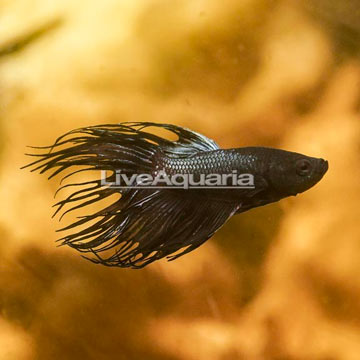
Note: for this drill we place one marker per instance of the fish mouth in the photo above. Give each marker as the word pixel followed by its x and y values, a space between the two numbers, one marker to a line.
pixel 323 166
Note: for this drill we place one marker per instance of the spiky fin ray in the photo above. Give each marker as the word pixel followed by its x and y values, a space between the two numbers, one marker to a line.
pixel 147 231
pixel 144 225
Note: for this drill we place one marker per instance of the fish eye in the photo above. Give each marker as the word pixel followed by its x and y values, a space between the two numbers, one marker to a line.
pixel 303 167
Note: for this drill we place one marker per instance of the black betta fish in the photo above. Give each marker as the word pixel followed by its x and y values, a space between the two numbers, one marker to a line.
pixel 150 222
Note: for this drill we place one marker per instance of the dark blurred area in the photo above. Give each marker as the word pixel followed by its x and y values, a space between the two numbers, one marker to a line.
pixel 275 283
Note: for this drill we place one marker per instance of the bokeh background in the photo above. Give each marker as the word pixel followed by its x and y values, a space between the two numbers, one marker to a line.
pixel 280 282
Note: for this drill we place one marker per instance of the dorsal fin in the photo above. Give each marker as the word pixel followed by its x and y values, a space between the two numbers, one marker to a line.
pixel 189 142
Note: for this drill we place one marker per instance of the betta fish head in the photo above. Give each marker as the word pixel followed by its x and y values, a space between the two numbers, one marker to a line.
pixel 291 173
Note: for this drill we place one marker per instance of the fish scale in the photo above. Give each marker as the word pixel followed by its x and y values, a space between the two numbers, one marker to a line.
pixel 213 162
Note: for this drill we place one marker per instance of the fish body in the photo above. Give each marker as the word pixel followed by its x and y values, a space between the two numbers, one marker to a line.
pixel 149 223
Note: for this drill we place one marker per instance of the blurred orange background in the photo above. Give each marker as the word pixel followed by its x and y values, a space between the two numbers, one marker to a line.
pixel 280 282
